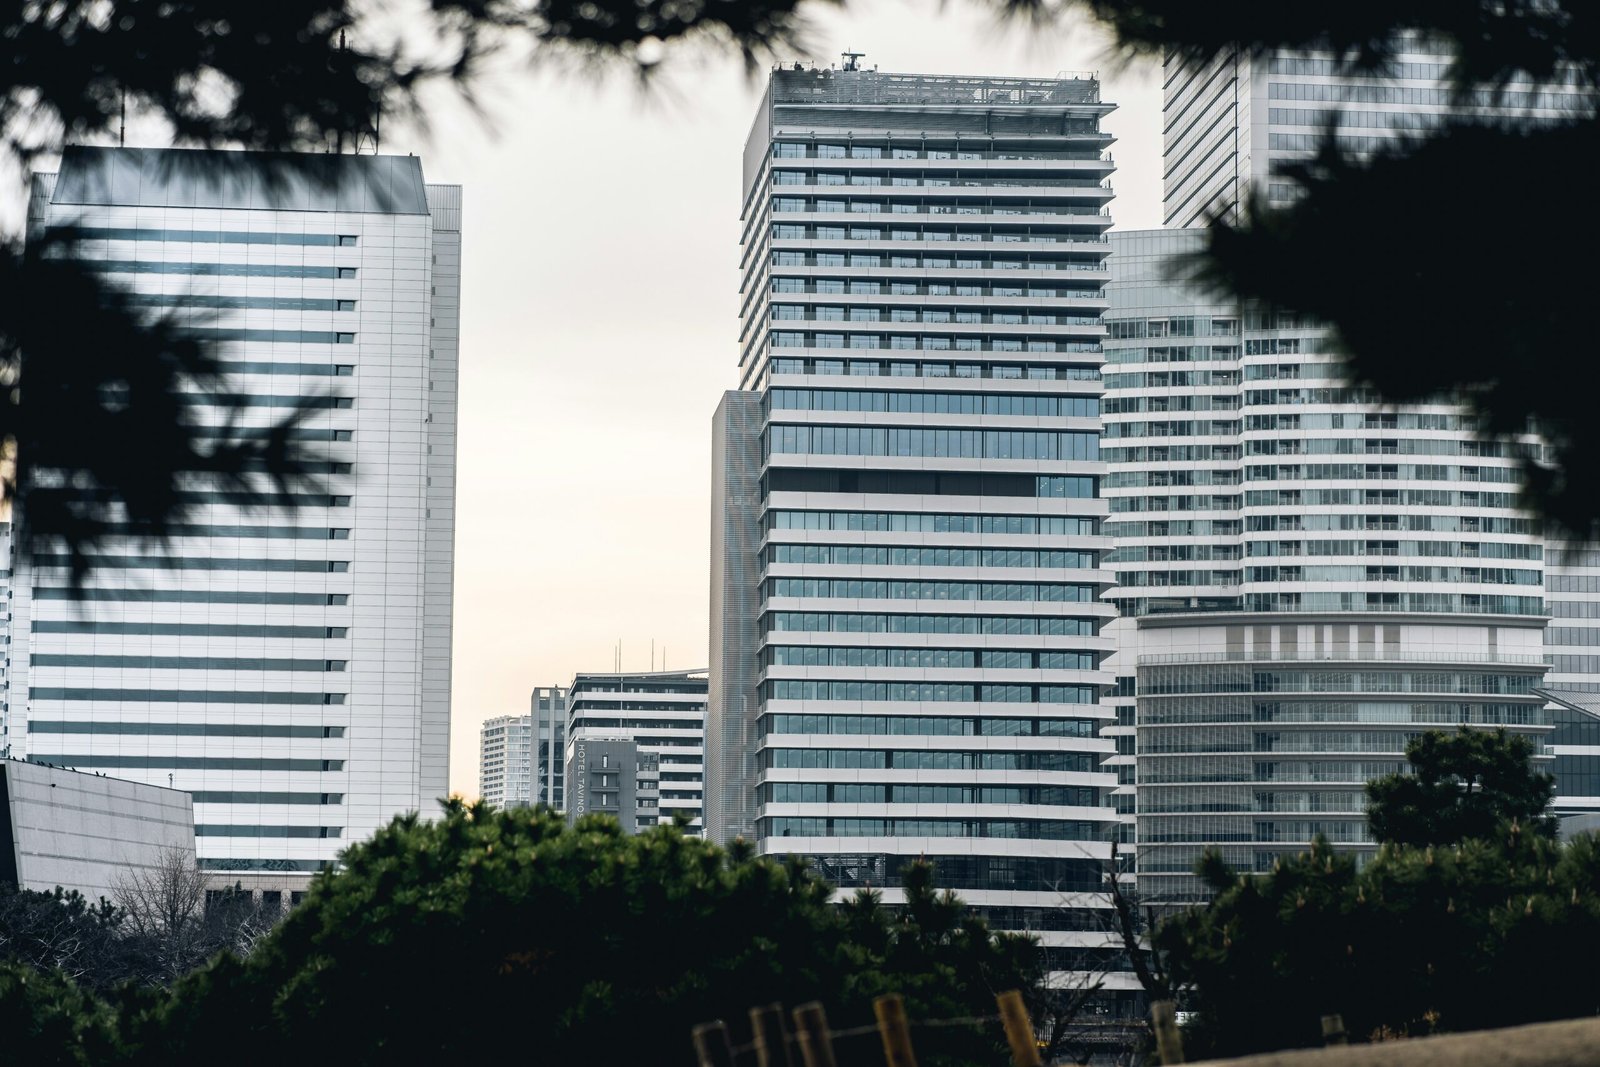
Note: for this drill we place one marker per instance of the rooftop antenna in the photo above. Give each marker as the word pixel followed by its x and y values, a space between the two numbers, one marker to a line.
pixel 852 60
pixel 122 121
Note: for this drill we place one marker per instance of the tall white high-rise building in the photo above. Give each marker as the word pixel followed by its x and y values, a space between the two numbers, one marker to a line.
pixel 289 669
pixel 907 579
pixel 1309 578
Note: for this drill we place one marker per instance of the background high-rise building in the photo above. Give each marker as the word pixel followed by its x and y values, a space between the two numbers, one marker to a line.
pixel 291 670
pixel 505 761
pixel 662 715
pixel 1315 577
pixel 907 574
pixel 1227 124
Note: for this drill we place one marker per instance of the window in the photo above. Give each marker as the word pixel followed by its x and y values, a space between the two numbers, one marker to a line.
pixel 347 272
pixel 344 305
pixel 344 338
pixel 347 240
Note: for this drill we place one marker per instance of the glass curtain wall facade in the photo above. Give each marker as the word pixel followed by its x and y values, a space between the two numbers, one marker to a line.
pixel 923 277
pixel 289 669
pixel 663 714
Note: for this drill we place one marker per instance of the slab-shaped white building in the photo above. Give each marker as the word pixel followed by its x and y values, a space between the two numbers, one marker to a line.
pixel 290 669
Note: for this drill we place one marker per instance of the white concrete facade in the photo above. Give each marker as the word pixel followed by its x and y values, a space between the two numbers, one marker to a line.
pixel 290 669
pixel 86 831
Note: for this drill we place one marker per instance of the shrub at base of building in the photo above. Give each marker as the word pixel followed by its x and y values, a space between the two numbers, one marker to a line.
pixel 439 938
pixel 1482 920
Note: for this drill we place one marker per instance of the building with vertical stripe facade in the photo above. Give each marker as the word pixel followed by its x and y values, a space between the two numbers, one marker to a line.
pixel 289 669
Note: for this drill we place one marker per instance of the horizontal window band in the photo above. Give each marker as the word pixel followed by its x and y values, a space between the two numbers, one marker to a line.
pixel 245 400
pixel 200 563
pixel 183 696
pixel 228 830
pixel 185 629
pixel 184 729
pixel 181 663
pixel 944 591
pixel 254 433
pixel 235 237
pixel 187 763
pixel 298 533
pixel 261 303
pixel 923 556
pixel 927 483
pixel 849 622
pixel 304 370
pixel 229 270
pixel 919 692
pixel 920 658
pixel 231 863
pixel 307 500
pixel 294 337
pixel 1025 829
pixel 224 796
pixel 187 596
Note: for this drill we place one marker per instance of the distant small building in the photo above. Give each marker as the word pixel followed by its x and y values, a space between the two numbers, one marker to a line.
pixel 505 761
pixel 662 714
pixel 81 831
pixel 548 709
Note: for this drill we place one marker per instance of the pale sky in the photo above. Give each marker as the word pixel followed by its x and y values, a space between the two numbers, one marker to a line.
pixel 599 322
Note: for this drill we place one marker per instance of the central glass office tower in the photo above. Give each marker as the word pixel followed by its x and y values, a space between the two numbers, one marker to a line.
pixel 907 546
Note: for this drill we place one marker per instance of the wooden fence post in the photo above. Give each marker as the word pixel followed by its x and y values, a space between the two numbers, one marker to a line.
pixel 895 1030
pixel 816 1040
pixel 1019 1029
pixel 771 1038
pixel 1169 1043
pixel 1333 1030
pixel 711 1044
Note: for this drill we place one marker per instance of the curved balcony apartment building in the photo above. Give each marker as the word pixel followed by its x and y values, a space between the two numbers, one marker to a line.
pixel 1315 578
pixel 1309 578
pixel 907 558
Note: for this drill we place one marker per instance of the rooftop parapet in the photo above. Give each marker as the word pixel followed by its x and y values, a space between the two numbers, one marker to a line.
pixel 871 87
